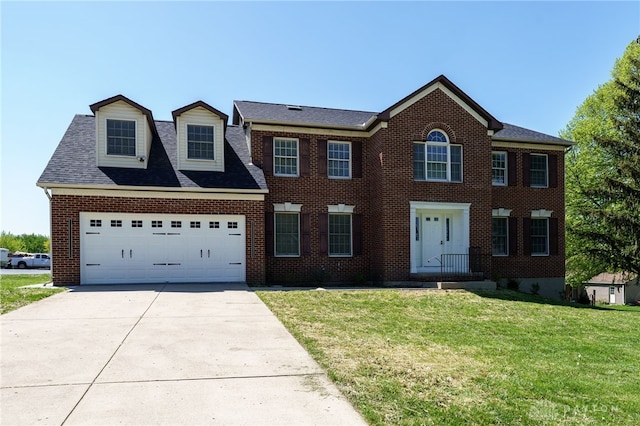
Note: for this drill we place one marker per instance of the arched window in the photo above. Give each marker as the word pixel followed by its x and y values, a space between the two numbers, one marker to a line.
pixel 436 159
pixel 437 136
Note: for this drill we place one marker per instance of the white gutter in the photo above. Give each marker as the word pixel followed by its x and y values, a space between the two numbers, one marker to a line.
pixel 151 189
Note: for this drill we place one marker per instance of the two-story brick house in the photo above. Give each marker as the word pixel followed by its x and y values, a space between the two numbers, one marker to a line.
pixel 432 187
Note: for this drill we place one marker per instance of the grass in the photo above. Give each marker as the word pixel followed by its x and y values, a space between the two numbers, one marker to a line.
pixel 433 357
pixel 12 296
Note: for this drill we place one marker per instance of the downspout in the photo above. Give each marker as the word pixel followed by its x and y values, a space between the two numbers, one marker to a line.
pixel 45 189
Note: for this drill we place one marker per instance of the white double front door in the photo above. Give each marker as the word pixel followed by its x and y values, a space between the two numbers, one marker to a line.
pixel 439 229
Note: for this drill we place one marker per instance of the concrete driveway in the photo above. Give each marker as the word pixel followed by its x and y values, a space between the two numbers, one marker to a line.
pixel 166 354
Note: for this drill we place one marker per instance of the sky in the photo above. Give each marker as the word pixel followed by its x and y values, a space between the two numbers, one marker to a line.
pixel 527 63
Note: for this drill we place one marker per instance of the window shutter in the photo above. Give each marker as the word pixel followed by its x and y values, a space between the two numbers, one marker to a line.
pixel 553 236
pixel 553 170
pixel 323 229
pixel 526 235
pixel 356 223
pixel 526 170
pixel 322 157
pixel 512 171
pixel 267 155
pixel 513 236
pixel 305 168
pixel 356 160
pixel 306 234
pixel 268 233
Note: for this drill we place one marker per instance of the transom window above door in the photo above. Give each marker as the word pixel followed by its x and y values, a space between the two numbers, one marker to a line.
pixel 436 159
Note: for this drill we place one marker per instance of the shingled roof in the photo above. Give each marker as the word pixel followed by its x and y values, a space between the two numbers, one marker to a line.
pixel 74 163
pixel 519 134
pixel 306 116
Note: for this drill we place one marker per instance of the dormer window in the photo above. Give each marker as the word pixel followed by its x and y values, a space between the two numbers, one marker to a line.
pixel 200 132
pixel 200 142
pixel 124 132
pixel 121 137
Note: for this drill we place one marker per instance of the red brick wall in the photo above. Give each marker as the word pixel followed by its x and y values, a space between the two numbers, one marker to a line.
pixel 315 193
pixel 66 268
pixel 436 110
pixel 522 200
pixel 377 207
pixel 387 186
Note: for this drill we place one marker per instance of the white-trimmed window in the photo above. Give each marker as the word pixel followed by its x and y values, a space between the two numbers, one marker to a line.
pixel 436 159
pixel 287 234
pixel 200 143
pixel 539 170
pixel 340 235
pixel 121 137
pixel 499 168
pixel 285 157
pixel 539 236
pixel 339 160
pixel 500 236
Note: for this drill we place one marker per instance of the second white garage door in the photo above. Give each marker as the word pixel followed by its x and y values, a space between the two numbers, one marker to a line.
pixel 133 248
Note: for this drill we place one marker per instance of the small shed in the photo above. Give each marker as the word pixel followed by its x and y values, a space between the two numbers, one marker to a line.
pixel 613 288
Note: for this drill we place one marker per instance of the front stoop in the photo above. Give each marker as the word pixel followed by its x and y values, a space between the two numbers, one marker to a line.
pixel 467 285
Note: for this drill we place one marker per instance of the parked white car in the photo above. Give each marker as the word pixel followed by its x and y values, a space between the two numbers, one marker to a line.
pixel 37 260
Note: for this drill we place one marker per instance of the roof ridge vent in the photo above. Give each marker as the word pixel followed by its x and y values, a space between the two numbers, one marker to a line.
pixel 294 107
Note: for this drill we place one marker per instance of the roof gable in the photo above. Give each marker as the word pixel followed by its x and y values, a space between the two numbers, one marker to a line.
pixel 95 107
pixel 454 92
pixel 200 104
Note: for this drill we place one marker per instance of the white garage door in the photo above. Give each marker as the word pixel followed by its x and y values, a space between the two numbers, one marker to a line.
pixel 156 248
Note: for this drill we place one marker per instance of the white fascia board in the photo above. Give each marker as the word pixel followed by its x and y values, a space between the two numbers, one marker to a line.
pixel 434 205
pixel 550 146
pixel 282 128
pixel 141 192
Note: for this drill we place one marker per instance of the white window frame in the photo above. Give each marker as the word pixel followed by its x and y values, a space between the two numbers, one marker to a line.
pixel 506 220
pixel 448 145
pixel 275 234
pixel 350 216
pixel 546 178
pixel 329 159
pixel 505 170
pixel 135 137
pixel 286 208
pixel 531 236
pixel 297 157
pixel 213 142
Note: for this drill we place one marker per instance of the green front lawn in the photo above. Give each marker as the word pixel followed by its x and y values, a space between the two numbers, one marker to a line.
pixel 12 296
pixel 455 357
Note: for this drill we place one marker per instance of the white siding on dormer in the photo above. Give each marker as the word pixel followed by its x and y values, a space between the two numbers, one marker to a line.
pixel 201 117
pixel 122 111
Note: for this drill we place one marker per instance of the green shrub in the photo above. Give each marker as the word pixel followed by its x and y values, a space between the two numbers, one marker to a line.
pixel 513 284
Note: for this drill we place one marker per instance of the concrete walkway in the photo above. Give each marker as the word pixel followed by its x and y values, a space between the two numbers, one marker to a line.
pixel 166 354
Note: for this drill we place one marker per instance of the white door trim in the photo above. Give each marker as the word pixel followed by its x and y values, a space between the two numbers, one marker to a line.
pixel 414 206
